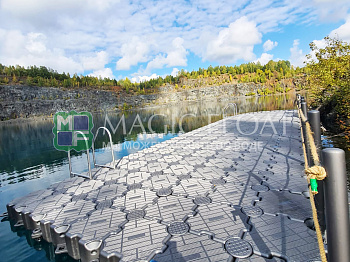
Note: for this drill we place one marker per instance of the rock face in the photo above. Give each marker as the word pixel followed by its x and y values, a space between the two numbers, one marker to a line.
pixel 27 101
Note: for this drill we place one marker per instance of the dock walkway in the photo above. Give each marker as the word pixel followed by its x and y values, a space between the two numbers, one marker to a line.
pixel 233 190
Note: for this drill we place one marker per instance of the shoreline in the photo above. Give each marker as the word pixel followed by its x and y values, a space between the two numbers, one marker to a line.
pixel 116 110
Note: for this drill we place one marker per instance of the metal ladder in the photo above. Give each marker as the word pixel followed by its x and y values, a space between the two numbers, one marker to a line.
pixel 112 166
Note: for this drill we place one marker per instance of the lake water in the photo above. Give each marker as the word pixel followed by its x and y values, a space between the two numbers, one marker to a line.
pixel 29 162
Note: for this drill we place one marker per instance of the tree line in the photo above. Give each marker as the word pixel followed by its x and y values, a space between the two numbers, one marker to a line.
pixel 283 67
pixel 46 77
pixel 43 76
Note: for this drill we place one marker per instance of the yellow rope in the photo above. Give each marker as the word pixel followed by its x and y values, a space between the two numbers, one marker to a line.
pixel 322 173
pixel 316 172
pixel 311 140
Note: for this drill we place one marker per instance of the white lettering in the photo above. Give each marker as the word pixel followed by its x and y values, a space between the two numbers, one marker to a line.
pixel 137 118
pixel 122 120
pixel 76 137
pixel 61 121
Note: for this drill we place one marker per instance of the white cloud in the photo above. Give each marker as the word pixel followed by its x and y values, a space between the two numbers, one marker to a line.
pixel 31 49
pixel 320 43
pixel 134 52
pixel 36 43
pixel 330 10
pixel 79 36
pixel 174 72
pixel 297 57
pixel 139 78
pixel 269 45
pixel 176 56
pixel 234 42
pixel 342 32
pixel 103 73
pixel 95 61
pixel 272 15
pixel 264 59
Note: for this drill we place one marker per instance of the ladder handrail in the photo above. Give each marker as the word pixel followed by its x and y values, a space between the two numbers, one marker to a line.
pixel 235 112
pixel 111 145
pixel 235 109
pixel 88 159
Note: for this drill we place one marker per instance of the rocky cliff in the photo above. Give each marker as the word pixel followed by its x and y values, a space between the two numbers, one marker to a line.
pixel 26 101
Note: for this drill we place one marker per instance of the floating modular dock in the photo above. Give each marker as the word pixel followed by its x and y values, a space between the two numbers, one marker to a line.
pixel 233 190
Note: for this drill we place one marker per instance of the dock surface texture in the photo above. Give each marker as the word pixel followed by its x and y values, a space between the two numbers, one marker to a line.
pixel 233 190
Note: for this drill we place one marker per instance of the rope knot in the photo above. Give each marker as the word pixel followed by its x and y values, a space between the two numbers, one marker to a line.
pixel 316 172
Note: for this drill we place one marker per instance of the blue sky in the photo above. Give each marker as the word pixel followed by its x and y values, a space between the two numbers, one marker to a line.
pixel 144 38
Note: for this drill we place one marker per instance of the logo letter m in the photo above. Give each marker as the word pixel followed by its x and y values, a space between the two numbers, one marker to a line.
pixel 61 121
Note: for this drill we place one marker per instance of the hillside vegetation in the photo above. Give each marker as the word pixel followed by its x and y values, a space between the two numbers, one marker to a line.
pixel 276 77
pixel 329 81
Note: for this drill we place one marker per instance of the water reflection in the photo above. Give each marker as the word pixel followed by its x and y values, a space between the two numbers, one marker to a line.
pixel 48 248
pixel 27 152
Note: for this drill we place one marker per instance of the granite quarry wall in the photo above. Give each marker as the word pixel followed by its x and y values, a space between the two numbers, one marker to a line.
pixel 28 101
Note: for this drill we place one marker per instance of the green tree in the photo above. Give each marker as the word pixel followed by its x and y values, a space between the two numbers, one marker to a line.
pixel 263 78
pixel 29 81
pixel 205 73
pixel 66 83
pixel 231 70
pixel 271 65
pixel 329 78
pixel 53 82
pixel 41 81
pixel 223 69
pixel 330 71
pixel 14 78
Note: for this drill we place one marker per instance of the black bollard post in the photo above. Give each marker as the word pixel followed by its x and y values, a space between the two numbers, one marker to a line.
pixel 315 123
pixel 337 209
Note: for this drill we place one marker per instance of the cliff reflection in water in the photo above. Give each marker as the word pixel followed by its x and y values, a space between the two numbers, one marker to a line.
pixel 27 152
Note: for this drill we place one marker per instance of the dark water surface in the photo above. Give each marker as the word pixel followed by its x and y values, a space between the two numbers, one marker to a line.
pixel 29 162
